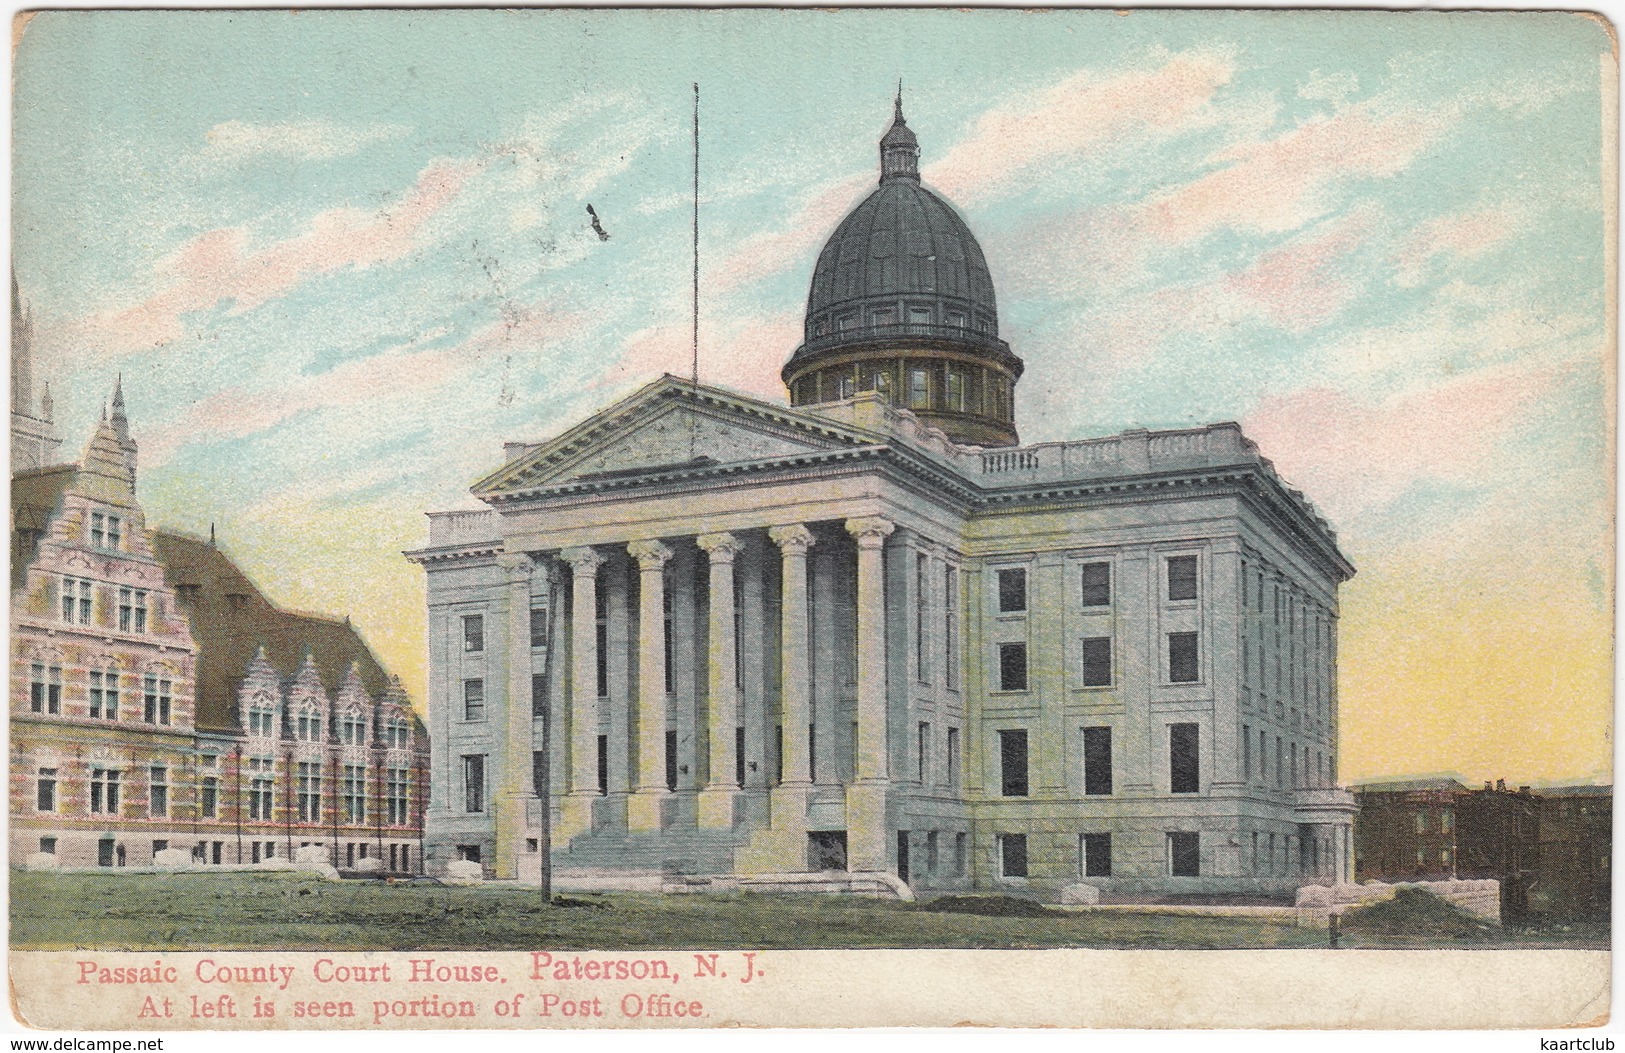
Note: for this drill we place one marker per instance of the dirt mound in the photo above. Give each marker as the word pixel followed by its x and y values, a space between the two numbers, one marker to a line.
pixel 990 906
pixel 1415 912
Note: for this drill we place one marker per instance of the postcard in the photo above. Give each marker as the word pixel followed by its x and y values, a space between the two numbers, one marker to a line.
pixel 616 519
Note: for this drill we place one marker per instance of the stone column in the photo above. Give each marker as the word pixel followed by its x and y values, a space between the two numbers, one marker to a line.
pixel 576 808
pixel 717 799
pixel 685 659
pixel 867 847
pixel 513 789
pixel 790 796
pixel 643 810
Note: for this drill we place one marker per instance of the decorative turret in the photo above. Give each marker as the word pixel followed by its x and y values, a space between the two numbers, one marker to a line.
pixel 121 427
pixel 902 304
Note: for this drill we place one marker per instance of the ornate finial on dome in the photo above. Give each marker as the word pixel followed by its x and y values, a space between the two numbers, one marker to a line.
pixel 899 149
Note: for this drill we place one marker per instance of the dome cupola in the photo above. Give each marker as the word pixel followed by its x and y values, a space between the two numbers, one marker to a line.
pixel 902 303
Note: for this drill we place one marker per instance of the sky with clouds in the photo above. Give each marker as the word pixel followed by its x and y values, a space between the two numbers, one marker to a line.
pixel 340 257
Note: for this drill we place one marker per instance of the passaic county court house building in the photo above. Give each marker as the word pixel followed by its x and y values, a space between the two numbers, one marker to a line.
pixel 871 638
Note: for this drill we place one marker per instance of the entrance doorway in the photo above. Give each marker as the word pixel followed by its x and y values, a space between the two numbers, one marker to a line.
pixel 826 850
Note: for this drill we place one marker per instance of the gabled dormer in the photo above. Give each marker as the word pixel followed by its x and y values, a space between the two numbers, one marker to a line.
pixel 308 705
pixel 351 710
pixel 259 700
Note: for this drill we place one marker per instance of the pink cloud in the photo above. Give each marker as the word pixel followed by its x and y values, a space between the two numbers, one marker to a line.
pixel 1279 184
pixel 1355 455
pixel 219 267
pixel 1465 235
pixel 249 409
pixel 746 357
pixel 1070 117
pixel 771 251
pixel 1298 287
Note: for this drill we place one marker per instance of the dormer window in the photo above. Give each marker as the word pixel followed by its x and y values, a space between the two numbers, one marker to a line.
pixel 352 729
pixel 262 721
pixel 106 531
pixel 308 725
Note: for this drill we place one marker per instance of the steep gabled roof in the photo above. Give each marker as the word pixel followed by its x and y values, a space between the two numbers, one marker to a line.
pixel 35 497
pixel 232 619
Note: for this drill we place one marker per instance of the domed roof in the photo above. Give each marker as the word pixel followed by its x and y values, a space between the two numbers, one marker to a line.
pixel 902 242
pixel 901 264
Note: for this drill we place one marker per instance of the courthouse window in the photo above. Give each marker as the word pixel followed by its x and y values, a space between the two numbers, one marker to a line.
pixel 1097 584
pixel 1012 667
pixel 158 791
pixel 1013 763
pixel 473 699
pixel 45 793
pixel 45 689
pixel 1184 760
pixel 1097 661
pixel 1097 761
pixel 1183 667
pixel 538 626
pixel 1012 590
pixel 1013 855
pixel 132 610
pixel 156 699
pixel 1182 577
pixel 1184 854
pixel 76 596
pixel 1095 854
pixel 473 633
pixel 474 783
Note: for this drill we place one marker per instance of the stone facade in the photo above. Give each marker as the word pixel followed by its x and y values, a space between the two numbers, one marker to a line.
pixel 961 633
pixel 161 704
pixel 836 639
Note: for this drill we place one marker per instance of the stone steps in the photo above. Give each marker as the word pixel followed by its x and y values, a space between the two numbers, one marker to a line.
pixel 679 850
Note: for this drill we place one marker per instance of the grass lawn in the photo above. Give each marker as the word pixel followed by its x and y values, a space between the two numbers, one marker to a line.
pixel 297 912
pixel 220 911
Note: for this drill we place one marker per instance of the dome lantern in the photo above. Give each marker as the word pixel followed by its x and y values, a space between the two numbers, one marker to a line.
pixel 902 304
pixel 899 149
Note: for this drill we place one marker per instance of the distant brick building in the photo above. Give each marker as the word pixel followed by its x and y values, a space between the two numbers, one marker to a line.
pixel 1549 848
pixel 1576 849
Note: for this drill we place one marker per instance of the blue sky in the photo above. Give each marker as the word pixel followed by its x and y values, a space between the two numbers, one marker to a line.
pixel 339 257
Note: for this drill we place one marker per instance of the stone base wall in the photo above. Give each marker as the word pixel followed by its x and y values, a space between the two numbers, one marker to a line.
pixel 1480 897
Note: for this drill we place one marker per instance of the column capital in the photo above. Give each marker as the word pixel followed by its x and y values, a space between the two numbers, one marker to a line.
pixel 871 531
pixel 584 561
pixel 793 540
pixel 650 554
pixel 516 565
pixel 722 548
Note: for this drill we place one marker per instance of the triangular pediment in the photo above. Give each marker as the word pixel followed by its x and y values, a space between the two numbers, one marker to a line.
pixel 671 423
